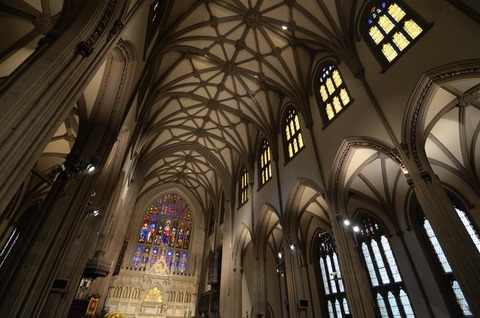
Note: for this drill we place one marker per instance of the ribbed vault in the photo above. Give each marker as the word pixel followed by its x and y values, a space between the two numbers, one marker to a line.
pixel 223 72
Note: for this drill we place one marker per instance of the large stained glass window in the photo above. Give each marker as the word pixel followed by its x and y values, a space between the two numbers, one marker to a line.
pixel 447 273
pixel 265 163
pixel 333 92
pixel 387 284
pixel 165 235
pixel 390 28
pixel 333 289
pixel 293 134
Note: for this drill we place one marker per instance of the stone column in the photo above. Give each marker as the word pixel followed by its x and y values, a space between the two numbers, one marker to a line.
pixel 37 100
pixel 296 275
pixel 356 283
pixel 227 274
pixel 260 301
pixel 462 254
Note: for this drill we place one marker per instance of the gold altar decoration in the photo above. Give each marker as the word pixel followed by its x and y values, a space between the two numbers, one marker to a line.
pixel 154 295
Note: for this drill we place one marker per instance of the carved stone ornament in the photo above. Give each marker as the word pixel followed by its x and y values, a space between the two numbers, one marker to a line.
pixel 467 100
pixel 43 24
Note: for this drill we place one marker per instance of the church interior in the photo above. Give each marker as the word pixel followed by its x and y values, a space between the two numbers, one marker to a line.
pixel 239 158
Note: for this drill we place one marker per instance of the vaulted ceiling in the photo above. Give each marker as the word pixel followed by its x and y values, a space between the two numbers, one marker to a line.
pixel 223 70
pixel 217 76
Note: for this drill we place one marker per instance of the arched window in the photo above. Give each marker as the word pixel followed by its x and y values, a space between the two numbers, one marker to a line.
pixel 265 163
pixel 387 285
pixel 244 186
pixel 293 135
pixel 165 235
pixel 454 290
pixel 390 27
pixel 333 289
pixel 332 91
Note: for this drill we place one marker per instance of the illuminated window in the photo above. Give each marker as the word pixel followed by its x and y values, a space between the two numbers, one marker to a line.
pixel 446 271
pixel 293 135
pixel 265 163
pixel 390 27
pixel 333 92
pixel 386 281
pixel 244 187
pixel 333 289
pixel 165 235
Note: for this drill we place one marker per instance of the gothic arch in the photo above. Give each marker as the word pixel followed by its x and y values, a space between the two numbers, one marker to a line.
pixel 269 219
pixel 244 238
pixel 368 170
pixel 428 96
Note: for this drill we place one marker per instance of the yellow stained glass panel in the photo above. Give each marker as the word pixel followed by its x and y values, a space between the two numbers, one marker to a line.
pixel 386 24
pixel 300 140
pixel 336 78
pixel 269 171
pixel 400 41
pixel 329 111
pixel 292 128
pixel 268 154
pixel 389 52
pixel 336 104
pixel 330 86
pixel 344 97
pixel 263 177
pixel 396 12
pixel 295 146
pixel 412 28
pixel 287 132
pixel 297 123
pixel 323 93
pixel 290 150
pixel 375 34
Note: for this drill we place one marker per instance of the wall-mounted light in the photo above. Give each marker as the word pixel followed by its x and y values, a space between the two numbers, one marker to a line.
pixel 90 168
pixel 292 247
pixel 284 27
pixel 94 212
pixel 346 222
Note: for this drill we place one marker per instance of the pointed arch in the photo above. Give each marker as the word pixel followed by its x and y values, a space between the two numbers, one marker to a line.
pixel 422 102
pixel 243 238
pixel 268 220
pixel 345 166
pixel 303 192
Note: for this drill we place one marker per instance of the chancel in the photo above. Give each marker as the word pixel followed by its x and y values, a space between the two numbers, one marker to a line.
pixel 239 158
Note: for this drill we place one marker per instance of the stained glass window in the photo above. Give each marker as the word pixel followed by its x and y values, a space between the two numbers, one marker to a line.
pixel 333 91
pixel 244 187
pixel 293 134
pixel 446 269
pixel 265 163
pixel 391 28
pixel 386 281
pixel 165 232
pixel 334 293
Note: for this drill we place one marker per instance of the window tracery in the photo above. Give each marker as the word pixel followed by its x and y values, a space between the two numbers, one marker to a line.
pixel 333 92
pixel 333 289
pixel 165 235
pixel 265 163
pixel 293 134
pixel 386 281
pixel 390 28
